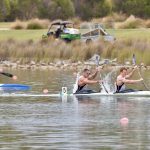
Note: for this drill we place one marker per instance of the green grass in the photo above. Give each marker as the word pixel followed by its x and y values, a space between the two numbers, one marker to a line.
pixel 130 33
pixel 22 34
pixel 37 34
pixel 5 24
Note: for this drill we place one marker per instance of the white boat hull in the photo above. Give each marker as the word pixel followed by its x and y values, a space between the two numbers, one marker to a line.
pixel 131 94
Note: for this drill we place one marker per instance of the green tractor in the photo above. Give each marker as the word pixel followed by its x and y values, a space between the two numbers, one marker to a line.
pixel 63 30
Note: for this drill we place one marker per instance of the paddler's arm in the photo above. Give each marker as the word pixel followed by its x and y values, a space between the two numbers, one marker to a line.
pixel 131 73
pixel 87 81
pixel 132 81
pixel 92 76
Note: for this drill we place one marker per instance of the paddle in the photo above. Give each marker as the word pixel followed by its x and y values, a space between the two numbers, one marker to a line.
pixel 146 87
pixel 8 75
pixel 97 64
pixel 134 63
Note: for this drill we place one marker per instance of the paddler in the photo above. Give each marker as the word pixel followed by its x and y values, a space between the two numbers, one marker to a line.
pixel 123 78
pixel 85 79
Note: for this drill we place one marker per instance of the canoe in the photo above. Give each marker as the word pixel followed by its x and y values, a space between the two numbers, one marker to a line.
pixel 131 94
pixel 13 87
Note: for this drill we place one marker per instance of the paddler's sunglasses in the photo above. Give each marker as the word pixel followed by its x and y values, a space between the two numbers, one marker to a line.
pixel 88 73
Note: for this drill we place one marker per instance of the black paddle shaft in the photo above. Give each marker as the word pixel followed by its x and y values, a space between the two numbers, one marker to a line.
pixel 6 74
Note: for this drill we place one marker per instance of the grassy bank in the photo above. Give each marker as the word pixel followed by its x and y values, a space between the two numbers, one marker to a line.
pixel 36 35
pixel 26 45
pixel 49 51
pixel 121 34
pixel 22 35
pixel 5 24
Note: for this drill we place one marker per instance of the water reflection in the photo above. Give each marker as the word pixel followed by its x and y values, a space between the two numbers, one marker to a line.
pixel 78 123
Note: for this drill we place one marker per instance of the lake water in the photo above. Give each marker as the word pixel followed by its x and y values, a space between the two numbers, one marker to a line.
pixel 77 123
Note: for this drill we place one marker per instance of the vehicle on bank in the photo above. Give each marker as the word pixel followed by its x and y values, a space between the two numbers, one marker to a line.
pixel 88 32
pixel 93 32
pixel 63 30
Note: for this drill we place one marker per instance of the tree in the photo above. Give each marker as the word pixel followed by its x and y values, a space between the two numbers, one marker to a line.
pixel 139 8
pixel 14 11
pixel 94 8
pixel 103 8
pixel 56 9
pixel 4 9
pixel 27 9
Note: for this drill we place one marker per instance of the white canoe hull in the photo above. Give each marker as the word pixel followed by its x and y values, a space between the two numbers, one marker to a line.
pixel 131 94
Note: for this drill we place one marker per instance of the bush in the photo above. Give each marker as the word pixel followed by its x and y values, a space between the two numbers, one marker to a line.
pixel 18 25
pixel 130 23
pixel 37 24
pixel 147 23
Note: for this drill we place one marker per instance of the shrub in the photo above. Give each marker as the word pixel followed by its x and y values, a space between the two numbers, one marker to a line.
pixel 130 23
pixel 37 24
pixel 18 25
pixel 147 23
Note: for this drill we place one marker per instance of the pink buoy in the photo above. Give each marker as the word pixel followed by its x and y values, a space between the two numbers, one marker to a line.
pixel 14 77
pixel 45 91
pixel 124 121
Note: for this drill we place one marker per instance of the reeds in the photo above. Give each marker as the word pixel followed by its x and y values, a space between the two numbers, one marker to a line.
pixel 49 51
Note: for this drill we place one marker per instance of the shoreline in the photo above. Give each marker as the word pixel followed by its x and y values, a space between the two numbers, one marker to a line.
pixel 64 65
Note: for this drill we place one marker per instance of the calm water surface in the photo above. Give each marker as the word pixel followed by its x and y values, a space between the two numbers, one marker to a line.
pixel 77 123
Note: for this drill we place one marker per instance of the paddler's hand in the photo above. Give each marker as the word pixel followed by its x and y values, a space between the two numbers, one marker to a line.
pixel 1 70
pixel 99 68
pixel 141 79
pixel 135 67
pixel 99 81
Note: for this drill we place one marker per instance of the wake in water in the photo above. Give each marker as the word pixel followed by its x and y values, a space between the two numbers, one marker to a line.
pixel 75 86
pixel 108 81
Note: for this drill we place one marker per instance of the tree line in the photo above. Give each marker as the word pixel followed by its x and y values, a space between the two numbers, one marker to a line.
pixel 65 9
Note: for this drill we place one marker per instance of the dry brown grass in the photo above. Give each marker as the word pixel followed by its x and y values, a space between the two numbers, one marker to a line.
pixel 31 24
pixel 49 51
pixel 38 24
pixel 124 49
pixel 130 23
pixel 118 21
pixel 147 23
pixel 77 21
pixel 109 21
pixel 18 25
